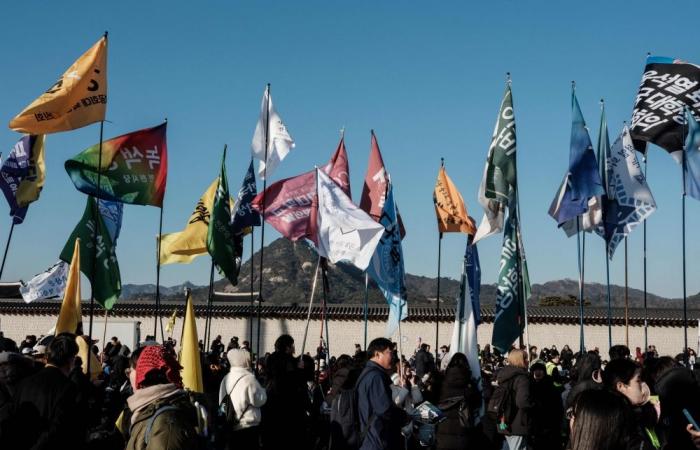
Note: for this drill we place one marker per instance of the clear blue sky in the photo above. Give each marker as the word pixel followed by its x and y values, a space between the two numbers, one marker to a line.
pixel 427 76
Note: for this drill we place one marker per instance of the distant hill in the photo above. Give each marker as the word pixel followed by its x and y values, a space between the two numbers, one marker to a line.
pixel 289 270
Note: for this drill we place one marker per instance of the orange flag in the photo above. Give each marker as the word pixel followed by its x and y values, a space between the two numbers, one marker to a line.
pixel 449 207
pixel 78 98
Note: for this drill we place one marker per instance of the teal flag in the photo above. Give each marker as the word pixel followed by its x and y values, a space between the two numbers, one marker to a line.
pixel 513 289
pixel 106 279
pixel 224 246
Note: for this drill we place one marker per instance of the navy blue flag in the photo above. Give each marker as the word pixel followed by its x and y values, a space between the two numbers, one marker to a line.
pixel 582 182
pixel 471 256
pixel 244 216
pixel 22 175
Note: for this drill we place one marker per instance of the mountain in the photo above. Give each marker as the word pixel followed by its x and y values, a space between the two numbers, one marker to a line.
pixel 289 269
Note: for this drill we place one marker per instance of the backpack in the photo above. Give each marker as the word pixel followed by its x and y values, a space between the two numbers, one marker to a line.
pixel 463 412
pixel 500 408
pixel 226 409
pixel 346 432
pixel 187 411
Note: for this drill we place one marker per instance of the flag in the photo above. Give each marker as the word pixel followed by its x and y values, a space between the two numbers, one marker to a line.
pixel 279 142
pixel 449 207
pixel 629 199
pixel 78 98
pixel 244 217
pixel 170 326
pixel 692 158
pixel 508 321
pixel 183 246
pixel 46 285
pixel 288 202
pixel 473 267
pixel 22 175
pixel 106 280
pixel 667 87
pixel 464 330
pixel 581 188
pixel 189 354
pixel 498 187
pixel 224 246
pixel 134 168
pixel 345 232
pixel 386 267
pixel 70 318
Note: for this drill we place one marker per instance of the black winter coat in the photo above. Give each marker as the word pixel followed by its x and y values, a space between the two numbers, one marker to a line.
pixel 450 433
pixel 522 401
pixel 546 415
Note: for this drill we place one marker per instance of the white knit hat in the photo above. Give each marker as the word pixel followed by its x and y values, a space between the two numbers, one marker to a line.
pixel 238 358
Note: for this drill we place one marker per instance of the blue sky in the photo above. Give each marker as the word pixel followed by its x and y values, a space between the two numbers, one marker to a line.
pixel 427 76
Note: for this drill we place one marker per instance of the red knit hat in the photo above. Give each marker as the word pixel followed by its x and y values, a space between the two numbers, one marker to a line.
pixel 156 357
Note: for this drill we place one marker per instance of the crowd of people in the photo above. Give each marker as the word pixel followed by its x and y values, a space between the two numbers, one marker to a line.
pixel 53 395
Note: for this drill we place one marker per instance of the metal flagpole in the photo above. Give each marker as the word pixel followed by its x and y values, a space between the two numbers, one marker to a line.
pixel 580 282
pixel 685 293
pixel 607 280
pixel 646 311
pixel 311 301
pixel 210 300
pixel 262 225
pixel 252 286
pixel 157 317
pixel 7 246
pixel 324 274
pixel 437 309
pixel 627 316
pixel 366 306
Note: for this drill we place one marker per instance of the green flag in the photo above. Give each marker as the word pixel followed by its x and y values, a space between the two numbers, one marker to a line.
pixel 224 246
pixel 106 281
pixel 513 289
pixel 498 189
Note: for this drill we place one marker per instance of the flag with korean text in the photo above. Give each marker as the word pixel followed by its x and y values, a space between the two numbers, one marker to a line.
pixel 244 217
pixel 22 175
pixel 449 207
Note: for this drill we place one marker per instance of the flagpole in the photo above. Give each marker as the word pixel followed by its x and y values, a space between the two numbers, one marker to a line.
pixel 366 306
pixel 607 280
pixel 437 308
pixel 311 301
pixel 324 275
pixel 210 299
pixel 104 332
pixel 627 317
pixel 582 345
pixel 646 311
pixel 7 247
pixel 262 231
pixel 252 286
pixel 685 293
pixel 157 317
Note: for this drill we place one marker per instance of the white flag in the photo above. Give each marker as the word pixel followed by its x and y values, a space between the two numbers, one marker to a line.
pixel 464 330
pixel 345 232
pixel 48 284
pixel 279 140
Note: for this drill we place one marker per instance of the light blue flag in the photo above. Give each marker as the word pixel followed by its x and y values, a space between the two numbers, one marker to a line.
pixel 582 182
pixel 692 157
pixel 386 267
pixel 471 259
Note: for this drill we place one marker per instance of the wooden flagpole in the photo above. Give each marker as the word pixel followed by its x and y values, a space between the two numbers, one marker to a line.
pixel 7 246
pixel 262 225
pixel 311 301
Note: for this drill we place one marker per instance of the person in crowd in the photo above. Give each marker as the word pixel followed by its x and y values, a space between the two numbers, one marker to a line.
pixel 424 361
pixel 547 412
pixel 619 352
pixel 284 413
pixel 217 347
pixel 7 344
pixel 162 415
pixel 460 401
pixel 515 376
pixel 380 420
pixel 585 375
pixel 46 414
pixel 28 342
pixel 566 356
pixel 13 369
pixel 600 420
pixel 247 396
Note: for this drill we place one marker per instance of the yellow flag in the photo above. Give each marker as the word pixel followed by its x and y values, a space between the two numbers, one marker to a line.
pixel 70 316
pixel 30 186
pixel 449 207
pixel 189 352
pixel 78 98
pixel 184 246
pixel 83 352
pixel 171 323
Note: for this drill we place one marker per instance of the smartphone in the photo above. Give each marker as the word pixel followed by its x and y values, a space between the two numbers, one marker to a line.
pixel 691 420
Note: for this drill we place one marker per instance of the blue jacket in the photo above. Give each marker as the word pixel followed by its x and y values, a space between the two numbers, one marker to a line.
pixel 379 416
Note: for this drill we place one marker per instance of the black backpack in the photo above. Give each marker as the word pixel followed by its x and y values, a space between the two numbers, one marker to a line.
pixel 500 408
pixel 226 410
pixel 345 429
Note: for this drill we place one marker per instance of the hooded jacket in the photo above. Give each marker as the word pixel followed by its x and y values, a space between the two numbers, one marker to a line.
pixel 520 385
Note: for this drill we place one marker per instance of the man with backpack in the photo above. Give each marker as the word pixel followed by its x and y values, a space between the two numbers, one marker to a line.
pixel 510 404
pixel 380 420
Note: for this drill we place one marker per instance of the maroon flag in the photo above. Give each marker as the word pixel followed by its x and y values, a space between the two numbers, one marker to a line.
pixel 288 202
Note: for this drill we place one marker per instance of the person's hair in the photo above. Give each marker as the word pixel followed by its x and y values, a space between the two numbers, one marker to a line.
pixel 62 350
pixel 424 347
pixel 284 343
pixel 586 364
pixel 343 361
pixel 655 368
pixel 619 352
pixel 517 358
pixel 459 360
pixel 378 345
pixel 602 421
pixel 620 370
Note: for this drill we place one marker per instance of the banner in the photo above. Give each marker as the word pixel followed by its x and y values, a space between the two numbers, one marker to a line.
pixel 692 158
pixel 497 190
pixel 667 87
pixel 22 175
pixel 70 318
pixel 473 267
pixel 449 207
pixel 46 285
pixel 386 267
pixel 190 359
pixel 78 98
pixel 244 217
pixel 279 141
pixel 134 168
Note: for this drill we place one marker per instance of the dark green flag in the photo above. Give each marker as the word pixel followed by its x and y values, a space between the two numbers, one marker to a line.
pixel 513 288
pixel 224 246
pixel 106 281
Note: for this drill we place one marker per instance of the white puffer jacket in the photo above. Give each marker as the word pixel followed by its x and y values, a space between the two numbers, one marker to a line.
pixel 246 395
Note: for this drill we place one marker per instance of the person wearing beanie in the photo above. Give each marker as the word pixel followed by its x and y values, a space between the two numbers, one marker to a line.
pixel 247 397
